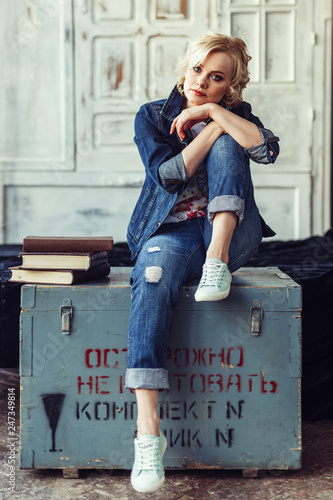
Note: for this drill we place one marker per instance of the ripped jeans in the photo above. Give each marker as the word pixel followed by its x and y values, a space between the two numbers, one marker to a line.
pixel 176 252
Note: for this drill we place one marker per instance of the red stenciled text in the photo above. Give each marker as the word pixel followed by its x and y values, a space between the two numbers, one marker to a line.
pixel 228 376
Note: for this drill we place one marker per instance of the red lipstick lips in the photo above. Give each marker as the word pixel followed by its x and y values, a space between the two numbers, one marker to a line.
pixel 198 93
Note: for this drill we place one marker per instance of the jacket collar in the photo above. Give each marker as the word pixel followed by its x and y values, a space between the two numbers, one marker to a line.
pixel 173 105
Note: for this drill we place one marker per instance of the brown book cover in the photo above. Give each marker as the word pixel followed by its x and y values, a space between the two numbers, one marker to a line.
pixel 80 261
pixel 67 243
pixel 58 277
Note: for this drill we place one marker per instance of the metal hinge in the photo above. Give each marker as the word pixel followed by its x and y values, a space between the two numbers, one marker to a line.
pixel 66 314
pixel 256 315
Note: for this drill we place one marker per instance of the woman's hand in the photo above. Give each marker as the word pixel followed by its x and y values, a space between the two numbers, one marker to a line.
pixel 188 117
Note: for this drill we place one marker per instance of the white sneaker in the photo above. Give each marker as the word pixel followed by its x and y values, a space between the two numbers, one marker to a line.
pixel 215 281
pixel 147 474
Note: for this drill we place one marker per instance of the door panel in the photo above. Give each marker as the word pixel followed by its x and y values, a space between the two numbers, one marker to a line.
pixel 126 54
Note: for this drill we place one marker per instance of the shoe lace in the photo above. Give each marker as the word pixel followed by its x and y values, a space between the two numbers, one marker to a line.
pixel 148 457
pixel 212 274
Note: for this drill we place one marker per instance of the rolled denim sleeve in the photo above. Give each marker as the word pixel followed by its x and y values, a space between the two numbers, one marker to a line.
pixel 172 172
pixel 267 151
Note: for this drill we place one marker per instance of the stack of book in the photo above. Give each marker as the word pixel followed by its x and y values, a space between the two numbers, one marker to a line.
pixel 63 260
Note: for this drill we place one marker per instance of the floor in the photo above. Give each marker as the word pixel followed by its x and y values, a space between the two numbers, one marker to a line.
pixel 314 481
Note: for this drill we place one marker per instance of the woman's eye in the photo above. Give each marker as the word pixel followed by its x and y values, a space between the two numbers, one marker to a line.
pixel 197 69
pixel 217 78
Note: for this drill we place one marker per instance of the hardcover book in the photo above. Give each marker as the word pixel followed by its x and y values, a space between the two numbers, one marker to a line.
pixel 58 277
pixel 67 243
pixel 80 261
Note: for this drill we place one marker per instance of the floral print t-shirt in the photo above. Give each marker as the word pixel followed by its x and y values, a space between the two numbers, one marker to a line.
pixel 192 202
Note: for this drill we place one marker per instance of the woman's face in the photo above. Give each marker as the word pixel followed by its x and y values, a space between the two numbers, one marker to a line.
pixel 209 81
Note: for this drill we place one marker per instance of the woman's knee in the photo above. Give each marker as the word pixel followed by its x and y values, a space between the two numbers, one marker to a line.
pixel 226 144
pixel 226 152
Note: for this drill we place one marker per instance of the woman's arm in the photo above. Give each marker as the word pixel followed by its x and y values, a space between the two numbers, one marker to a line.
pixel 244 132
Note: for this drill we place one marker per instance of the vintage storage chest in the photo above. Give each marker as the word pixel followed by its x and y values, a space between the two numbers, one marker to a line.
pixel 234 365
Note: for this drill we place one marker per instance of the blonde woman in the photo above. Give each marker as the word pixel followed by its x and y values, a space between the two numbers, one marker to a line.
pixel 196 215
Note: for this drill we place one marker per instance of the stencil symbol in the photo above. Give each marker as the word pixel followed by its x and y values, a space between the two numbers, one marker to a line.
pixel 53 406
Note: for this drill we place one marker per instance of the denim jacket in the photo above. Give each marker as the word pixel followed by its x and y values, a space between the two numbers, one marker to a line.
pixel 165 170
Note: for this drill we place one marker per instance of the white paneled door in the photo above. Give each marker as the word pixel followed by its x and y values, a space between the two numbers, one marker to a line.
pixel 126 54
pixel 74 82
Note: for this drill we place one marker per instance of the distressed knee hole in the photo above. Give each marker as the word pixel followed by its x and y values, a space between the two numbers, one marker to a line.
pixel 154 249
pixel 153 274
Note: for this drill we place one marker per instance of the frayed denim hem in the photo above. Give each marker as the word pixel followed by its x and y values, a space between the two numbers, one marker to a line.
pixel 146 378
pixel 225 203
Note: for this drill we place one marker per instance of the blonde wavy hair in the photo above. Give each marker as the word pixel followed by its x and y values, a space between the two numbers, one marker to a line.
pixel 209 42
